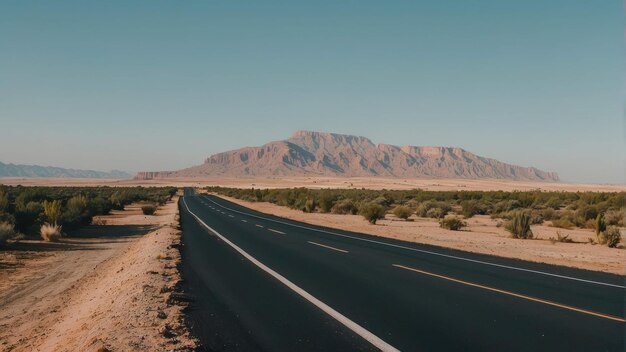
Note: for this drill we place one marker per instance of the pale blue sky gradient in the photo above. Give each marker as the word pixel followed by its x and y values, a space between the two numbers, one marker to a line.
pixel 152 85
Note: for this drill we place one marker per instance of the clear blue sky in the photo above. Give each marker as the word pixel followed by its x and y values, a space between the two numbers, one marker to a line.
pixel 151 85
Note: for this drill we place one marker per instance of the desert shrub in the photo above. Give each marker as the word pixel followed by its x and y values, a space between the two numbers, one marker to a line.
pixel 52 211
pixel 519 225
pixel 536 217
pixel 553 203
pixel 76 212
pixel 148 209
pixel 309 206
pixel 372 212
pixel 6 232
pixel 344 206
pixel 453 223
pixel 549 214
pixel 562 223
pixel 27 215
pixel 102 206
pixel 432 209
pixel 326 202
pixel 615 217
pixel 611 236
pixel 402 212
pixel 50 233
pixel 473 207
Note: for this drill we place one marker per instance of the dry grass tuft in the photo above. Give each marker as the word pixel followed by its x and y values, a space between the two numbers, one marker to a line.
pixel 50 233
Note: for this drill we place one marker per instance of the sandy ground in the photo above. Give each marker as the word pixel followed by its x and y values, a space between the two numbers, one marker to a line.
pixel 481 236
pixel 105 289
pixel 328 182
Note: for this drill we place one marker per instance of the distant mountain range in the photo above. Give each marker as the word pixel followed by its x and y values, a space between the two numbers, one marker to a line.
pixel 13 170
pixel 309 153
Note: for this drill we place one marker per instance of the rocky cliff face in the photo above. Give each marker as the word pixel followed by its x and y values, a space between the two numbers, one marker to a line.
pixel 329 154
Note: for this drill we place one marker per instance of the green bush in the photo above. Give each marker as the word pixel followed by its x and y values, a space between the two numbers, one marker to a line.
pixel 611 236
pixel 402 212
pixel 52 211
pixel 372 212
pixel 453 223
pixel 473 207
pixel 148 209
pixel 519 225
pixel 344 206
pixel 6 232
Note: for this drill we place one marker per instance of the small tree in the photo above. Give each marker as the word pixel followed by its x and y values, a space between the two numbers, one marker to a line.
pixel 519 225
pixel 402 212
pixel 52 211
pixel 599 226
pixel 372 212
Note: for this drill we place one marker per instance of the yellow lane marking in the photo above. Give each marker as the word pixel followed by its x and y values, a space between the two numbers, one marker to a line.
pixel 554 304
pixel 329 247
pixel 257 225
pixel 279 232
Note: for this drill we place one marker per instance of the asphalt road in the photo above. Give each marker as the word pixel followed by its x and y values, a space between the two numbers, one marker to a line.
pixel 266 283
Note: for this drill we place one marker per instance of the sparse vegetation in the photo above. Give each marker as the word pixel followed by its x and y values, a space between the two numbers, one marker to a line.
pixel 148 209
pixel 402 212
pixel 561 238
pixel 453 223
pixel 519 225
pixel 50 233
pixel 372 212
pixel 27 209
pixel 565 210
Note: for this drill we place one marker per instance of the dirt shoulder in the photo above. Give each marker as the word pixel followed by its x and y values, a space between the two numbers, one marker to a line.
pixel 481 236
pixel 108 287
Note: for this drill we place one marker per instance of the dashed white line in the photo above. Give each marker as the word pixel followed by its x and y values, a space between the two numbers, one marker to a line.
pixel 242 220
pixel 356 328
pixel 276 231
pixel 422 250
pixel 329 247
pixel 257 225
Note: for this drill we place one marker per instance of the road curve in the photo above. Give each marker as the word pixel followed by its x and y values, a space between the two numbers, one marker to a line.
pixel 266 283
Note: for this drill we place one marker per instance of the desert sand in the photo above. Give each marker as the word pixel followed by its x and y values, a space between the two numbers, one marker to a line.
pixel 328 182
pixel 481 236
pixel 106 288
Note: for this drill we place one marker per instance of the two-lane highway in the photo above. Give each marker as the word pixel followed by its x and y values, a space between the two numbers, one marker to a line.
pixel 268 283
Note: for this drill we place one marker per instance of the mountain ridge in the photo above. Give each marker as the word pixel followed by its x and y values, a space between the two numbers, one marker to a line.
pixel 19 170
pixel 309 153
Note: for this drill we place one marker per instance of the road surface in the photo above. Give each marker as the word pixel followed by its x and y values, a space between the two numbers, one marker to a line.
pixel 262 282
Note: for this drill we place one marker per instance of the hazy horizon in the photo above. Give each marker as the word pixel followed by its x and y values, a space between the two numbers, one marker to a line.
pixel 148 86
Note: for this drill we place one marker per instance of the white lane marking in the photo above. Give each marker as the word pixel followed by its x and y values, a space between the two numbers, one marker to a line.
pixel 358 329
pixel 242 220
pixel 424 251
pixel 278 232
pixel 261 226
pixel 232 216
pixel 329 247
